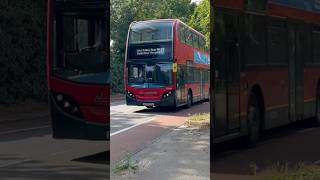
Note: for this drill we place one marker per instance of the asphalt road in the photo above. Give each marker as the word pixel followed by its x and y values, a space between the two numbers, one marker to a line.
pixel 124 117
pixel 134 127
pixel 286 146
pixel 27 151
pixel 157 140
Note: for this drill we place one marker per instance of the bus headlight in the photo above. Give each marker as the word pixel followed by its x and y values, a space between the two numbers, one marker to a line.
pixel 130 94
pixel 169 93
pixel 59 97
pixel 67 104
pixel 75 109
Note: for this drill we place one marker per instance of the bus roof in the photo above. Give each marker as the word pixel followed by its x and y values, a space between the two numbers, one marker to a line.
pixel 168 20
pixel 81 4
pixel 307 10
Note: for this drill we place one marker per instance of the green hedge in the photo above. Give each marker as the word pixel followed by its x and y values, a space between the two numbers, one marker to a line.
pixel 22 50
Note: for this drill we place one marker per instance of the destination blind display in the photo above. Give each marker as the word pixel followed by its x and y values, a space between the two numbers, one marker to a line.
pixel 150 51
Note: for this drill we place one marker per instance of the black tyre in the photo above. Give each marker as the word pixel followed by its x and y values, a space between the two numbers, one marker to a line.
pixel 189 100
pixel 254 120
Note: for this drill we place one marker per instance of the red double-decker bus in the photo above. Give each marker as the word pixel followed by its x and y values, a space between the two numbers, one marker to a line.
pixel 167 64
pixel 267 66
pixel 78 68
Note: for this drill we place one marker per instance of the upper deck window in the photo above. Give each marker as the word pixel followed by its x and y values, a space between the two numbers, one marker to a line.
pixel 150 32
pixel 189 37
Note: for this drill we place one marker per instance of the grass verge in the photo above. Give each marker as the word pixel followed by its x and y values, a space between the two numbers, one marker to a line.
pixel 301 172
pixel 125 164
pixel 201 120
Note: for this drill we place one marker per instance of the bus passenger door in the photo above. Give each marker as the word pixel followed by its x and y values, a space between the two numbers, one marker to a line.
pixel 219 119
pixel 180 92
pixel 303 53
pixel 202 83
pixel 297 45
pixel 233 71
pixel 226 87
pixel 292 62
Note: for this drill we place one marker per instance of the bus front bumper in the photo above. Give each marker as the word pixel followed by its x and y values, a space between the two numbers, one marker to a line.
pixel 168 101
pixel 65 126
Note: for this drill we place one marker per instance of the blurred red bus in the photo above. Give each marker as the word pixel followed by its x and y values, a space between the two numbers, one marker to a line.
pixel 78 68
pixel 167 64
pixel 267 68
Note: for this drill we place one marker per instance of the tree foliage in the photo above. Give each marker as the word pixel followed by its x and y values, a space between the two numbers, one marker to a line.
pixel 23 38
pixel 123 12
pixel 200 19
pixel 22 50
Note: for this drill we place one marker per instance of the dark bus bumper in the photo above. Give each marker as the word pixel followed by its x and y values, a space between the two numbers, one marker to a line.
pixel 65 126
pixel 169 101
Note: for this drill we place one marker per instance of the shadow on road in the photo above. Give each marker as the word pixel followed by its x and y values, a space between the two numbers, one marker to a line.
pixel 32 169
pixel 284 147
pixel 41 132
pixel 99 158
pixel 179 111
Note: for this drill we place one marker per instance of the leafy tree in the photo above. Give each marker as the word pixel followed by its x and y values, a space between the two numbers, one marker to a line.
pixel 22 50
pixel 123 12
pixel 200 20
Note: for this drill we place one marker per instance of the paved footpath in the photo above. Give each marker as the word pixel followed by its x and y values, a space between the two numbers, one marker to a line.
pixel 181 154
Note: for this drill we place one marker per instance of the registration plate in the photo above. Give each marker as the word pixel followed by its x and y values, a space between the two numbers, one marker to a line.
pixel 148 104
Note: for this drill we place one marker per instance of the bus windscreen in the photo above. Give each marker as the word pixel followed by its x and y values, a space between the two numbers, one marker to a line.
pixel 149 75
pixel 80 50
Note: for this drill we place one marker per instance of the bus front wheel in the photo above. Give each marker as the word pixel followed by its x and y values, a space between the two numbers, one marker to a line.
pixel 253 122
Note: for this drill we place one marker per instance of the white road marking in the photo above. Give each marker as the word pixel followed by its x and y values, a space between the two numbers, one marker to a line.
pixel 128 128
pixel 23 130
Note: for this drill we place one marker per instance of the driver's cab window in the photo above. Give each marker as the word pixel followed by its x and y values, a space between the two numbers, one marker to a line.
pixel 76 34
pixel 80 46
pixel 80 33
pixel 81 38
